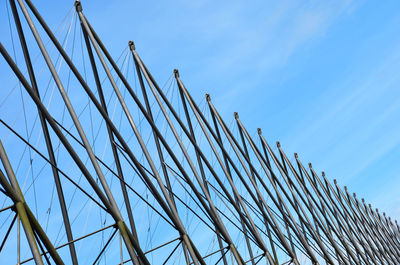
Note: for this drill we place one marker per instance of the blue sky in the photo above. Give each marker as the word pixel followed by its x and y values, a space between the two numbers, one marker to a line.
pixel 321 77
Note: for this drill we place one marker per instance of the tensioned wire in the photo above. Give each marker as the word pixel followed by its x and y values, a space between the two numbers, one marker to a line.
pixel 70 203
pixel 5 138
pixel 23 111
pixel 28 134
pixel 58 28
pixel 99 129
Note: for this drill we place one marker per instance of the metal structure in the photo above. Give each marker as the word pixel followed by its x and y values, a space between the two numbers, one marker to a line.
pixel 124 170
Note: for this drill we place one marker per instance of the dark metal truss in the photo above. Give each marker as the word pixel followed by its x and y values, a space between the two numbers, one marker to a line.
pixel 251 204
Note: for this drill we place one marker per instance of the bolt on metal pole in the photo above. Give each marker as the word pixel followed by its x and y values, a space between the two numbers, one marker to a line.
pixel 14 189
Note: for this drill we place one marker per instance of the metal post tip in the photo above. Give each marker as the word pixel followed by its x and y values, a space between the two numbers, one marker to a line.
pixel 176 72
pixel 78 5
pixel 131 45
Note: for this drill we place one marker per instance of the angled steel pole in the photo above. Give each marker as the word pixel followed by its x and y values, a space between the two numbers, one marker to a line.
pixel 183 127
pixel 130 241
pixel 384 240
pixel 375 220
pixel 255 181
pixel 339 212
pixel 283 168
pixel 293 202
pixel 311 199
pixel 300 179
pixel 387 222
pixel 110 135
pixel 321 208
pixel 357 223
pixel 108 121
pixel 70 108
pixel 291 183
pixel 176 74
pixel 327 185
pixel 238 200
pixel 281 206
pixel 391 237
pixel 289 234
pixel 381 223
pixel 26 214
pixel 342 221
pixel 16 195
pixel 197 112
pixel 46 134
pixel 157 142
pixel 230 174
pixel 149 111
pixel 137 134
pixel 20 209
pixel 336 230
pixel 232 140
pixel 244 155
pixel 309 204
pixel 269 219
pixel 393 227
pixel 211 207
pixel 110 198
pixel 330 218
pixel 269 216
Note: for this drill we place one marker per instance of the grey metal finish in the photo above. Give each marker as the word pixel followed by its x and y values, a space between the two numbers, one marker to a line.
pixel 255 205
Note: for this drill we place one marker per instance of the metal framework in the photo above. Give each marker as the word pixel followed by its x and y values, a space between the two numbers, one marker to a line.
pixel 191 188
